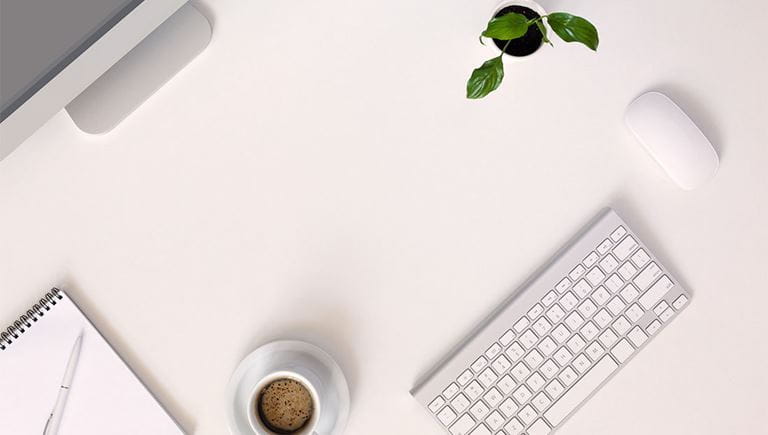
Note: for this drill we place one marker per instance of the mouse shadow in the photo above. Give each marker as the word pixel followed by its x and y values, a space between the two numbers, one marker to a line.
pixel 697 111
pixel 329 328
pixel 131 359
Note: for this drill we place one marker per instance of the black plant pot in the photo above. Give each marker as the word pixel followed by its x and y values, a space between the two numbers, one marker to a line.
pixel 528 43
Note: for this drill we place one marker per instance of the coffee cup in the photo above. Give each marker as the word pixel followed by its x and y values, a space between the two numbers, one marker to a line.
pixel 284 402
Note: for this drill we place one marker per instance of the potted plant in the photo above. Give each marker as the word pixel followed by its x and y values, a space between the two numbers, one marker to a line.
pixel 518 29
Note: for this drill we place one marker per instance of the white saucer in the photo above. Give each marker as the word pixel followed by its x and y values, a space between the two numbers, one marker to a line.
pixel 277 356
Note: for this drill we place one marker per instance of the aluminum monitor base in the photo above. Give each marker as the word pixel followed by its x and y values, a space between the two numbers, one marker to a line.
pixel 141 72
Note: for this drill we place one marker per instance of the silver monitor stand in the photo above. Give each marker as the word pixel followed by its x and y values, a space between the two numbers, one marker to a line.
pixel 141 72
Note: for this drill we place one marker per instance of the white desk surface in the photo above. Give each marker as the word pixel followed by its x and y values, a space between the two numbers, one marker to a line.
pixel 317 173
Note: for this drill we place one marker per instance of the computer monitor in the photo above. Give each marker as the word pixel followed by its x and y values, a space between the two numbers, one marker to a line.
pixel 51 51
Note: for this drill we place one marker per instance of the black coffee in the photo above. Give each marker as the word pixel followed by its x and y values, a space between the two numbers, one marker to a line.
pixel 285 406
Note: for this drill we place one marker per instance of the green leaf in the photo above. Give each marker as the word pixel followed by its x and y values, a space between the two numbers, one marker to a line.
pixel 506 27
pixel 571 28
pixel 485 79
pixel 543 30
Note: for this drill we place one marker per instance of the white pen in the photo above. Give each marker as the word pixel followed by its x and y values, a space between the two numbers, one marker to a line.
pixel 52 425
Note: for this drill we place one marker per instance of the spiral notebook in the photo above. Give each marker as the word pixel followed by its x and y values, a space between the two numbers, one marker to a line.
pixel 105 397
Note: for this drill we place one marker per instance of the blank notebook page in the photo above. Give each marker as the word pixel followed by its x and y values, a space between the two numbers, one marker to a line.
pixel 105 397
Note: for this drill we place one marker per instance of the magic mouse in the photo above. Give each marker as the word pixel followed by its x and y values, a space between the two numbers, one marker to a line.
pixel 672 139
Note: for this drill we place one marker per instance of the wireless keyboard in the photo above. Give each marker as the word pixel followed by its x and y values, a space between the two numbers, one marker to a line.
pixel 558 339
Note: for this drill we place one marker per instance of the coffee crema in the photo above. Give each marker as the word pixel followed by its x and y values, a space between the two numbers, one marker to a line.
pixel 285 406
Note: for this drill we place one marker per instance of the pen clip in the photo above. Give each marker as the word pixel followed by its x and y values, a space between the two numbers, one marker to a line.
pixel 47 422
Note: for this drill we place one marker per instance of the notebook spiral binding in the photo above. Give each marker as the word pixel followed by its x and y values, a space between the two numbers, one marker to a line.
pixel 26 320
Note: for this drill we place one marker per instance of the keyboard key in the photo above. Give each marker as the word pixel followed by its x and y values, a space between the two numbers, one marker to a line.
pixel 549 369
pixel 474 390
pixel 647 276
pixel 614 283
pixel 520 372
pixel 589 331
pixel 535 382
pixel 535 311
pixel 521 324
pixel 493 397
pixel 618 234
pixel 508 407
pixel 603 318
pixel 540 402
pixel 608 337
pixel 574 320
pixel 666 315
pixel 554 388
pixel 568 301
pixel 616 305
pixel 462 425
pixel 577 272
pixel 591 259
pixel 561 333
pixel 629 293
pixel 563 285
pixel 528 339
pixel 493 351
pixel 479 410
pixel 576 343
pixel 601 295
pixel 604 247
pixel 625 248
pixel 547 346
pixel 542 326
pixel 679 302
pixel 460 403
pixel 514 427
pixel 563 356
pixel 506 384
pixel 515 352
pixel 580 391
pixel 479 364
pixel 622 350
pixel 634 313
pixel 533 359
pixel 464 378
pixel 650 297
pixel 595 275
pixel 581 288
pixel 661 307
pixel 549 298
pixel 522 394
pixel 540 427
pixel 581 363
pixel 621 325
pixel 594 351
pixel 487 377
pixel 609 263
pixel 627 270
pixel 450 390
pixel 446 416
pixel 637 336
pixel 435 405
pixel 481 430
pixel 640 258
pixel 555 314
pixel 654 326
pixel 567 376
pixel 501 365
pixel 587 308
pixel 507 338
pixel 527 414
pixel 495 420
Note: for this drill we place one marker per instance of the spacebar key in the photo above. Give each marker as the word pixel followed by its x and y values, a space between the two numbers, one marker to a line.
pixel 581 390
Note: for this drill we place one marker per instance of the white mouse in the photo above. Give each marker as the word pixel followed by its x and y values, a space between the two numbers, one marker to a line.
pixel 672 139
